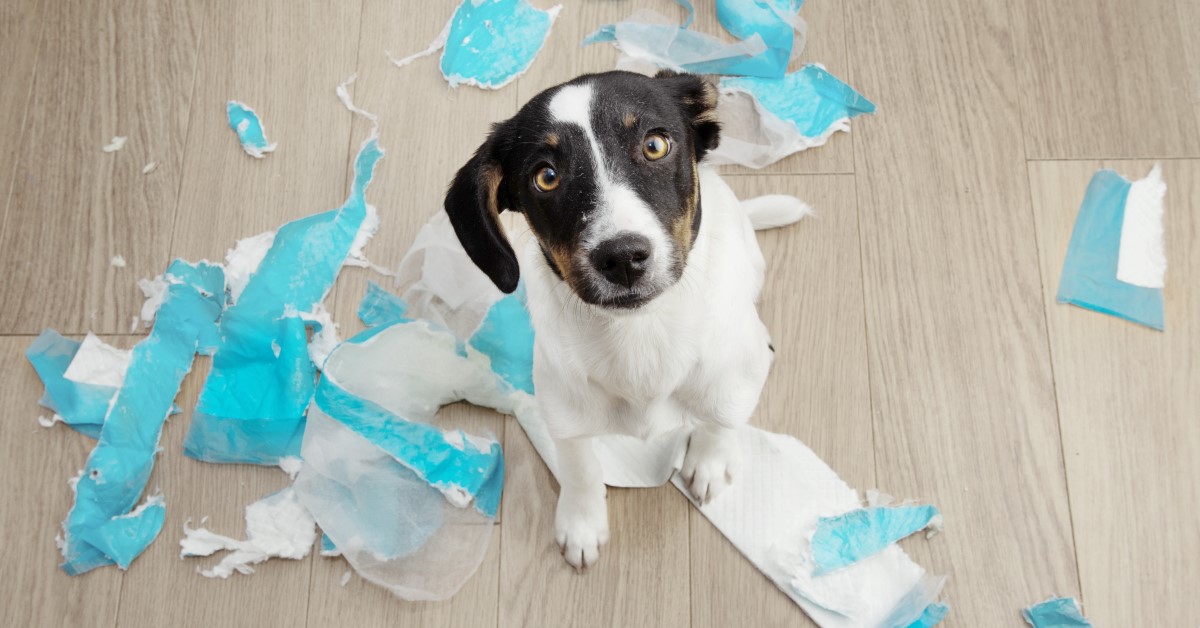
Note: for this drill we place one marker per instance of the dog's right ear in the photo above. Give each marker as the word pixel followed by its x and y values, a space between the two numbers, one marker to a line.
pixel 474 202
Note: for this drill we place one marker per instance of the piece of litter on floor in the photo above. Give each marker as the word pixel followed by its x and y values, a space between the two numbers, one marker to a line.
pixel 1090 271
pixel 249 129
pixel 80 405
pixel 765 120
pixel 290 465
pixel 931 616
pixel 116 144
pixel 243 260
pixel 766 33
pixel 150 167
pixel 101 527
pixel 1058 612
pixel 489 44
pixel 252 407
pixel 379 307
pixel 98 363
pixel 850 537
pixel 345 579
pixel 133 324
pixel 48 422
pixel 328 549
pixel 277 526
pixel 343 94
pixel 117 261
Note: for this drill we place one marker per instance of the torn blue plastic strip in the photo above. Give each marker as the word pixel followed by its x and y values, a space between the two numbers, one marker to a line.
pixel 98 530
pixel 848 538
pixel 811 99
pixel 1089 275
pixel 252 407
pixel 249 129
pixel 932 616
pixel 493 42
pixel 456 469
pixel 82 406
pixel 506 337
pixel 765 27
pixel 380 307
pixel 1059 612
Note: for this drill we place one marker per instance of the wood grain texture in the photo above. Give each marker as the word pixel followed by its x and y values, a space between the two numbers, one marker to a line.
pixel 642 576
pixel 77 206
pixel 1129 398
pixel 961 387
pixel 284 60
pixel 1105 79
pixel 818 389
pixel 35 464
pixel 20 32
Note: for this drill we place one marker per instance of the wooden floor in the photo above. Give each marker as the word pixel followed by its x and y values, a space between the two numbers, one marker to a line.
pixel 920 347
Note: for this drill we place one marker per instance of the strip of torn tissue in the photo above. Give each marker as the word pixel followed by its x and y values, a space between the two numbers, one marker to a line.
pixel 277 526
pixel 489 44
pixel 102 528
pixel 252 407
pixel 1090 271
pixel 249 129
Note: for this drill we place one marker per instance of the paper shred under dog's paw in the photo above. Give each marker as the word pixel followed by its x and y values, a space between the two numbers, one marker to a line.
pixel 1107 245
pixel 489 44
pixel 1061 612
pixel 116 144
pixel 249 129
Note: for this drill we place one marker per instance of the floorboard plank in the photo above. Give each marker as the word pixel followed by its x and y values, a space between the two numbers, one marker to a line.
pixel 1128 401
pixel 104 69
pixel 20 32
pixel 1105 79
pixel 961 384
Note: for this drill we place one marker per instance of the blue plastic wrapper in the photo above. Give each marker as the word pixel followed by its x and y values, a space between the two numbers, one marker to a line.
pixel 1055 613
pixel 101 529
pixel 249 129
pixel 1089 275
pixel 252 407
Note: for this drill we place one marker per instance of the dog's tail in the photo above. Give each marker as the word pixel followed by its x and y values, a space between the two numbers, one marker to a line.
pixel 775 210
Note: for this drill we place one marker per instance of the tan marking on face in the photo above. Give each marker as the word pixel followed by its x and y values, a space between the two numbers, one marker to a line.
pixel 552 140
pixel 630 120
pixel 561 256
pixel 681 228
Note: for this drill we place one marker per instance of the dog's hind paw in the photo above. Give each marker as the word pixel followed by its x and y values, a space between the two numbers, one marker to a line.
pixel 581 528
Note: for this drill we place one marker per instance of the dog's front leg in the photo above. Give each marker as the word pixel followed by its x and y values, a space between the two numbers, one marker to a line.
pixel 711 462
pixel 581 520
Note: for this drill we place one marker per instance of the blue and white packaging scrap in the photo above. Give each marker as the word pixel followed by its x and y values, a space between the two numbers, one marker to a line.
pixel 1116 261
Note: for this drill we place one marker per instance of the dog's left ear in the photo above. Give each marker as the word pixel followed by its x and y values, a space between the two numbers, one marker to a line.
pixel 697 98
pixel 474 202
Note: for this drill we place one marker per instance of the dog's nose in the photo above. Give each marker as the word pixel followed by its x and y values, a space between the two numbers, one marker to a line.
pixel 622 260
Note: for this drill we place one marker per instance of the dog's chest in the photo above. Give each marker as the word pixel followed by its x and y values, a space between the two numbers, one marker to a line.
pixel 640 359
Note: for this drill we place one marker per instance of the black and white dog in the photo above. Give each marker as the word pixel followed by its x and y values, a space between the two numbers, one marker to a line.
pixel 642 276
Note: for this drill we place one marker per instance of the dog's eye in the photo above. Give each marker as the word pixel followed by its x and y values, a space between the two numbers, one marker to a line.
pixel 546 179
pixel 655 146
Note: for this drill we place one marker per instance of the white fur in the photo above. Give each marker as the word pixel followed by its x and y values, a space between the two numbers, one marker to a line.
pixel 698 354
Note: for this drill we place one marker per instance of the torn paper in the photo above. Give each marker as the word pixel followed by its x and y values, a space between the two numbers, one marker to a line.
pixel 277 526
pixel 116 144
pixel 252 407
pixel 249 129
pixel 766 33
pixel 489 43
pixel 1090 271
pixel 102 527
pixel 850 537
pixel 117 261
pixel 81 405
pixel 150 167
pixel 1056 613
pixel 765 120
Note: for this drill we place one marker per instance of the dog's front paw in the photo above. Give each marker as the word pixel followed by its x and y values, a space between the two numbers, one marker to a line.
pixel 711 462
pixel 581 527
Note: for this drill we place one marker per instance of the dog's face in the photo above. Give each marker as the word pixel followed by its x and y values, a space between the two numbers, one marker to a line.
pixel 604 169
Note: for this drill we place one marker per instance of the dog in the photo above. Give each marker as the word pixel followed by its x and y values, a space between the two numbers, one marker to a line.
pixel 642 277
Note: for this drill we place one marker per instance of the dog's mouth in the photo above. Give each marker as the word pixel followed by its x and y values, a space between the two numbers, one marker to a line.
pixel 632 300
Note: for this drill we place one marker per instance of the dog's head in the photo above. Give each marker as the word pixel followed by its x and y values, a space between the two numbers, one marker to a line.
pixel 604 170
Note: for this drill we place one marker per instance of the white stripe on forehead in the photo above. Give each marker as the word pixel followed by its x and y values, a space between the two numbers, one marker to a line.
pixel 573 105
